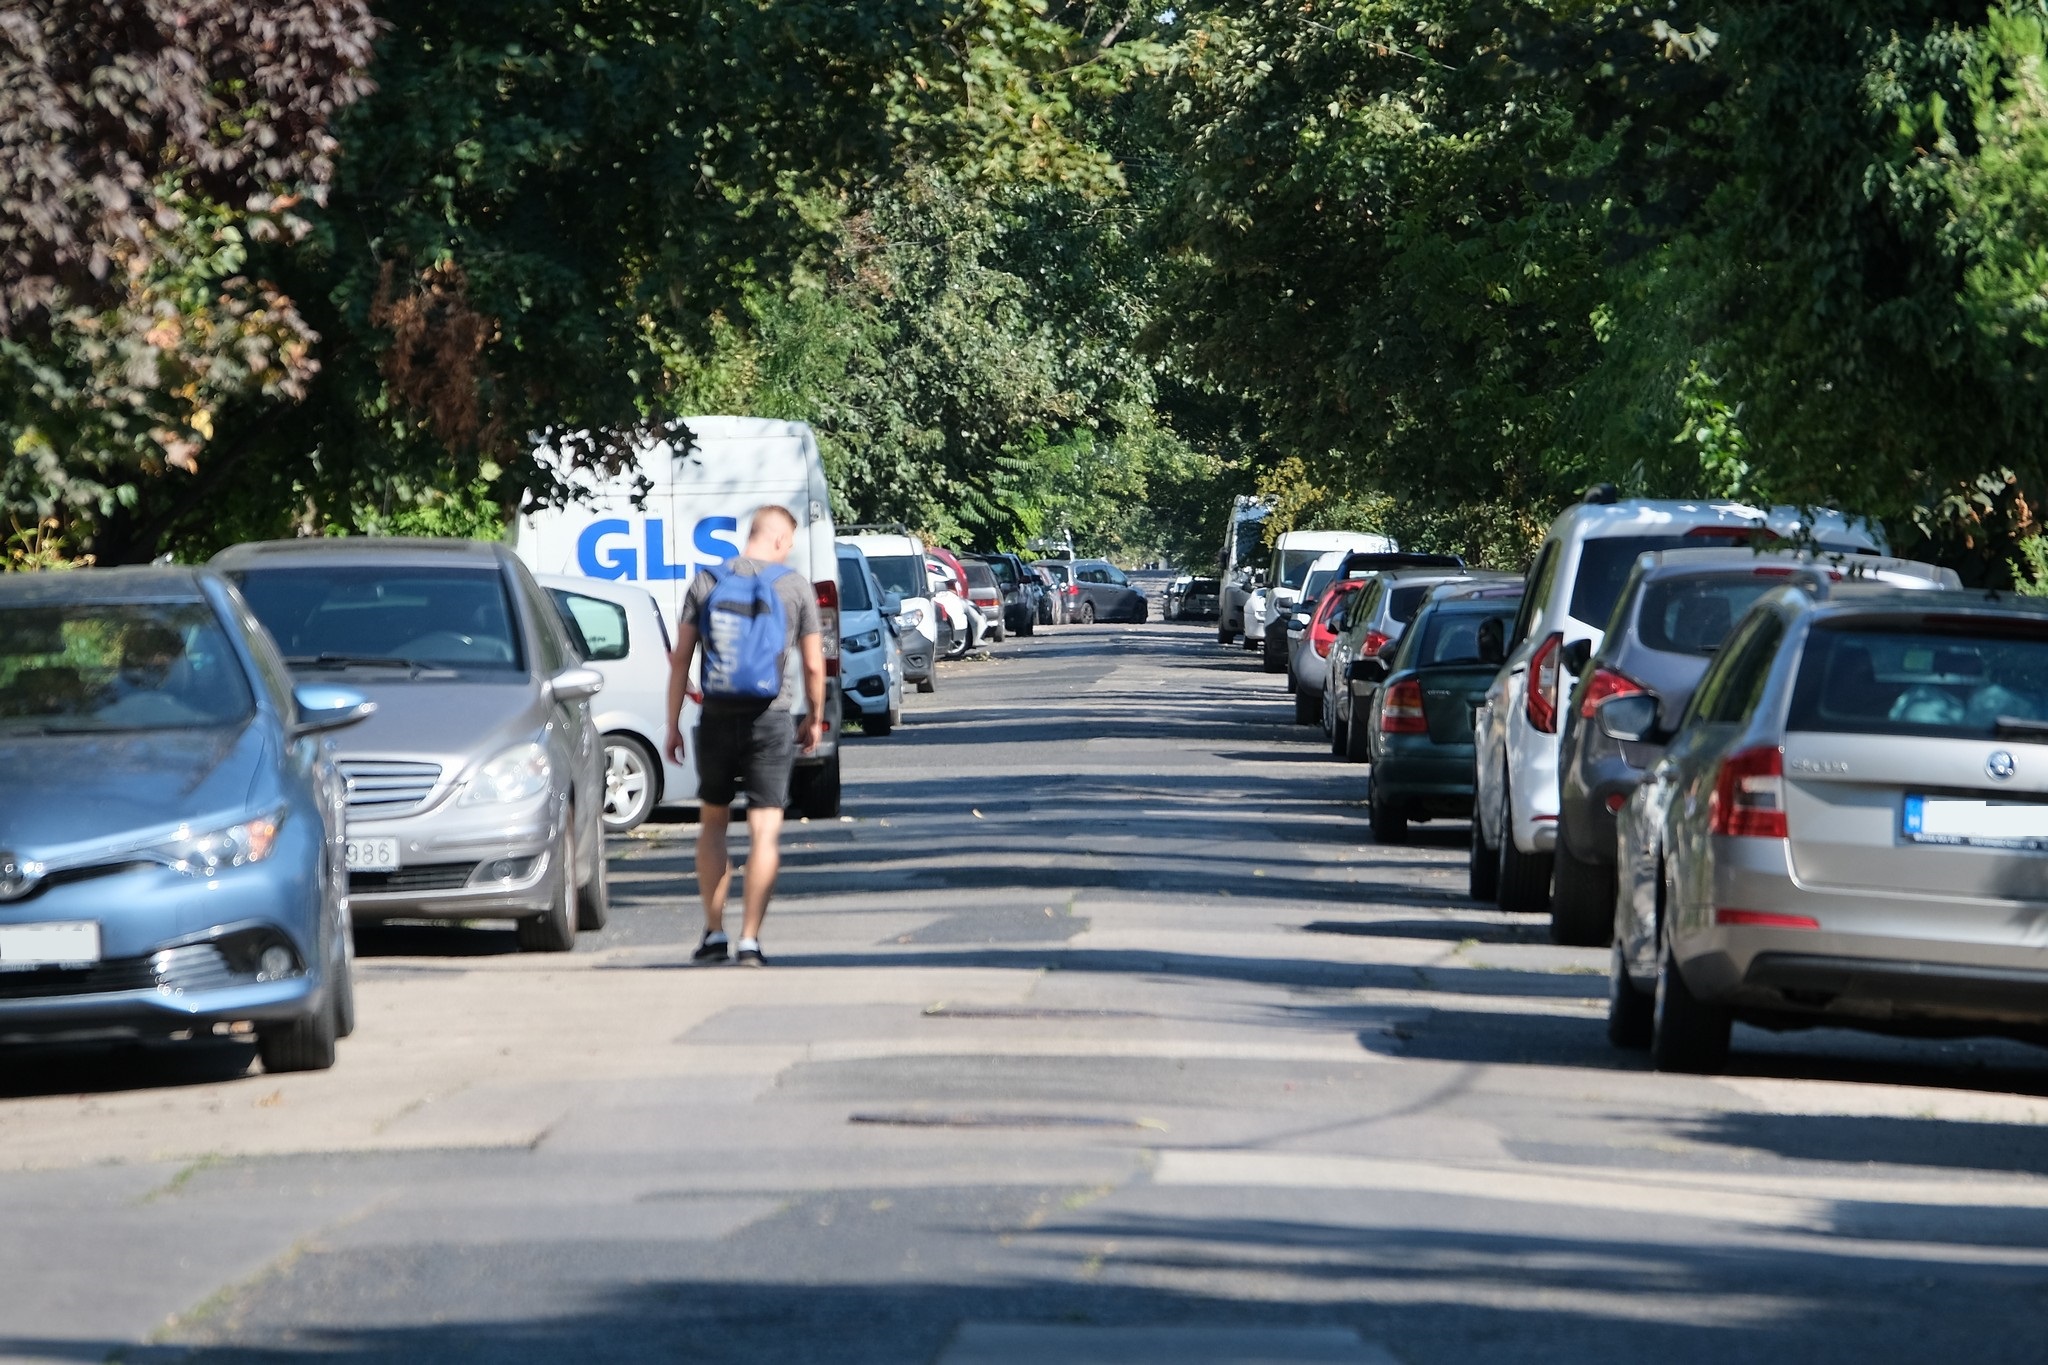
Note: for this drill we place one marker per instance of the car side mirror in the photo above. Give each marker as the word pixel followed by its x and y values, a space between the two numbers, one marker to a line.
pixel 575 684
pixel 1576 655
pixel 323 707
pixel 892 603
pixel 1632 719
pixel 1493 647
pixel 1369 670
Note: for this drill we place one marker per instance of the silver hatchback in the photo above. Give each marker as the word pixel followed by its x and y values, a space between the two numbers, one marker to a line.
pixel 476 791
pixel 1849 828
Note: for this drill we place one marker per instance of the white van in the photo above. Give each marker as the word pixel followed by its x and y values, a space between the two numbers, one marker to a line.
pixel 1294 553
pixel 695 513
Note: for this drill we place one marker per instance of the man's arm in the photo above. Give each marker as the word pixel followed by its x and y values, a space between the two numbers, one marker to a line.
pixel 678 685
pixel 814 689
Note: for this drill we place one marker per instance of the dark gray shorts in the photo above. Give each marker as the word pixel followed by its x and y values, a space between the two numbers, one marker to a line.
pixel 745 747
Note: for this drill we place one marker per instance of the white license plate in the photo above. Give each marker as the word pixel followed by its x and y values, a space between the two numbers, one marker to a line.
pixel 1988 824
pixel 372 855
pixel 75 944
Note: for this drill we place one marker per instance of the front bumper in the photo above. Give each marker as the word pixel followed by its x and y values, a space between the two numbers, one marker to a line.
pixel 448 857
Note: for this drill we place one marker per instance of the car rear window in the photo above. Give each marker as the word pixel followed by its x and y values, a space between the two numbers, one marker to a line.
pixel 1694 615
pixel 1004 570
pixel 1452 637
pixel 1956 677
pixel 853 587
pixel 1403 603
pixel 978 575
pixel 1604 563
pixel 1202 585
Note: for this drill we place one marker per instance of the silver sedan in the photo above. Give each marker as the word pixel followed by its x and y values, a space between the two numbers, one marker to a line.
pixel 1850 828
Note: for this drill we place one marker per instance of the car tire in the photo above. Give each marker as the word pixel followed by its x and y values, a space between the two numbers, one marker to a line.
pixel 927 685
pixel 594 900
pixel 1087 613
pixel 1389 825
pixel 1524 887
pixel 1482 874
pixel 876 726
pixel 306 1044
pixel 1581 900
pixel 1308 707
pixel 1224 637
pixel 814 790
pixel 345 994
pixel 632 782
pixel 1631 1015
pixel 1358 739
pixel 997 634
pixel 1274 660
pixel 1340 737
pixel 1686 1032
pixel 555 930
pixel 1030 626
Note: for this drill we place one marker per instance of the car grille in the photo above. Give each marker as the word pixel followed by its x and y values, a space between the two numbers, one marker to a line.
pixel 194 967
pixel 379 788
pixel 424 877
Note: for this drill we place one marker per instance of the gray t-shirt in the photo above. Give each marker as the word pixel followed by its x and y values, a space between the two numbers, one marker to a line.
pixel 799 609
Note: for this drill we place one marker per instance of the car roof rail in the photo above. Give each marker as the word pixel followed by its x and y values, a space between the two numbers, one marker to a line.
pixel 880 528
pixel 1365 561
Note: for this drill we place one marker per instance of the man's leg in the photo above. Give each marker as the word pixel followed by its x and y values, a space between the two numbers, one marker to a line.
pixel 714 865
pixel 764 860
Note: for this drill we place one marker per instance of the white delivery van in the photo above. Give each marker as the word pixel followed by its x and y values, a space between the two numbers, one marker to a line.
pixel 1294 553
pixel 699 498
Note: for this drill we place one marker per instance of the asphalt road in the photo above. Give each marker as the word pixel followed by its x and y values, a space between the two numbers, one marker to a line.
pixel 1099 1031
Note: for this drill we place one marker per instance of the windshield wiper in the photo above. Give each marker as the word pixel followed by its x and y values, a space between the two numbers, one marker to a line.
pixel 2019 727
pixel 330 659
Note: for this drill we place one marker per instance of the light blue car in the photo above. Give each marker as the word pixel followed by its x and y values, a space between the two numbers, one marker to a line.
pixel 171 826
pixel 870 646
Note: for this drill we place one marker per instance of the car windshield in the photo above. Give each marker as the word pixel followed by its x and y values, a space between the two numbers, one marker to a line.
pixel 1452 637
pixel 900 574
pixel 1295 564
pixel 853 587
pixel 1956 677
pixel 99 666
pixel 428 617
pixel 1694 615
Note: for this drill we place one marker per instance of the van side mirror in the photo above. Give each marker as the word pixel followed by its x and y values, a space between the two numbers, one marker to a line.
pixel 892 603
pixel 1493 641
pixel 1575 656
pixel 1632 719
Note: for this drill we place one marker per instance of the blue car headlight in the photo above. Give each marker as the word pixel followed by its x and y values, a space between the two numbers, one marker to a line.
pixel 869 640
pixel 205 853
pixel 518 774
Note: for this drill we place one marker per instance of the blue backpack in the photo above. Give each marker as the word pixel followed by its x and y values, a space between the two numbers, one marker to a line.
pixel 745 631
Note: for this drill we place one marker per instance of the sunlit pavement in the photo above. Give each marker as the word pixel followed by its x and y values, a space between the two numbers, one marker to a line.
pixel 1099 1031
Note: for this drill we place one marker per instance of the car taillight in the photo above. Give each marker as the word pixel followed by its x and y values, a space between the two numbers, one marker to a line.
pixel 1606 685
pixel 1765 919
pixel 1401 713
pixel 1373 643
pixel 1545 667
pixel 1749 795
pixel 828 624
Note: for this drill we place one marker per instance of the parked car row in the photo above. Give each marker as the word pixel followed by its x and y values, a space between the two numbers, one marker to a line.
pixel 1785 778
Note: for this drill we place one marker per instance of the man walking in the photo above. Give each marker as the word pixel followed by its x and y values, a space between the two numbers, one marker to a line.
pixel 749 614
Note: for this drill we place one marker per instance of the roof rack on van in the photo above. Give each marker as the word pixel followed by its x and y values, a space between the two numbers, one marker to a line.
pixel 1371 561
pixel 880 528
pixel 1600 495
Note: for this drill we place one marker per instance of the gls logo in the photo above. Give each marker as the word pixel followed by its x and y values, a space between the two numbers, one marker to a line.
pixel 714 538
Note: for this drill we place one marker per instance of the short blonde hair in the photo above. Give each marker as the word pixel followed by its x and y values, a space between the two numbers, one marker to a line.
pixel 772 509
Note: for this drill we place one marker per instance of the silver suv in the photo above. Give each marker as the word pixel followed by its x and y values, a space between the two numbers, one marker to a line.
pixel 1847 829
pixel 476 791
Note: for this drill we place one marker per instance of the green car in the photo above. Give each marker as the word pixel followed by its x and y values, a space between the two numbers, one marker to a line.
pixel 1419 733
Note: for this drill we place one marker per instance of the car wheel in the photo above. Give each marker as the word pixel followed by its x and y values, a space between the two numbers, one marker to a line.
pixel 1274 659
pixel 1482 877
pixel 876 726
pixel 814 790
pixel 1524 877
pixel 1631 1015
pixel 1389 825
pixel 927 685
pixel 1030 626
pixel 1686 1032
pixel 1308 707
pixel 1358 739
pixel 1224 637
pixel 306 1044
pixel 345 991
pixel 1581 900
pixel 594 901
pixel 555 931
pixel 632 782
pixel 1340 737
pixel 996 634
pixel 1087 613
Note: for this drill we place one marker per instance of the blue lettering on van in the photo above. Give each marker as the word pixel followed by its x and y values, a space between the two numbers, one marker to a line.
pixel 658 567
pixel 707 540
pixel 607 561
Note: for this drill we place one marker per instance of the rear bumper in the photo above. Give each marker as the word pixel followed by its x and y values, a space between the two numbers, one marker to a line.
pixel 1411 769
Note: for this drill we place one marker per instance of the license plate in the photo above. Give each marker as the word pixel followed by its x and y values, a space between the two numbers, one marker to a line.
pixel 75 944
pixel 1975 824
pixel 372 855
